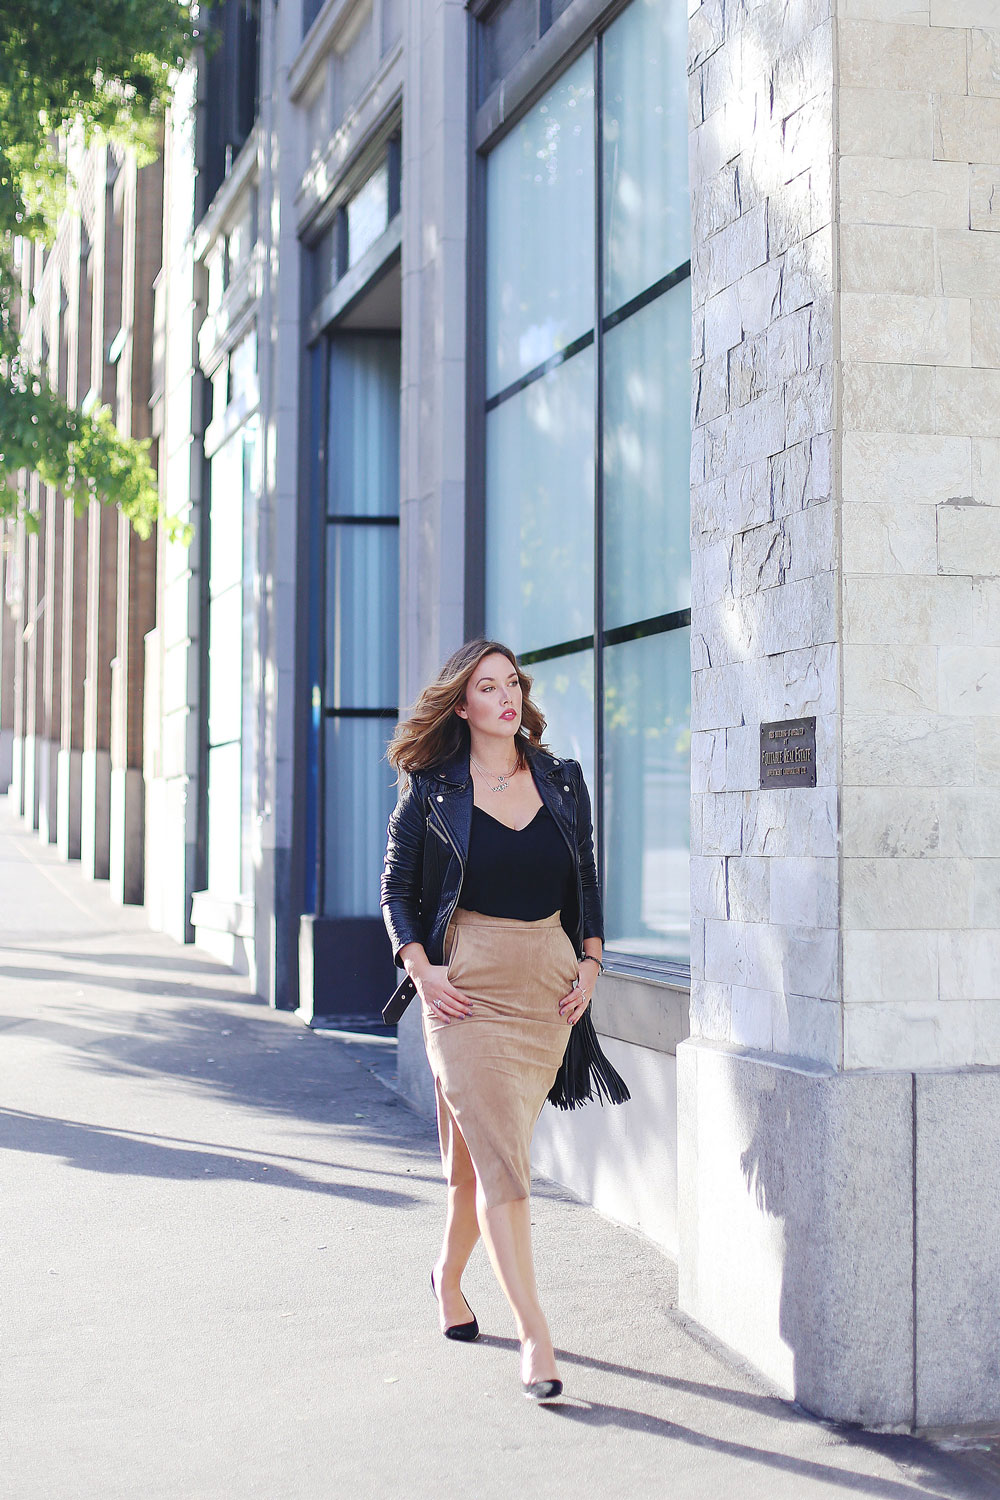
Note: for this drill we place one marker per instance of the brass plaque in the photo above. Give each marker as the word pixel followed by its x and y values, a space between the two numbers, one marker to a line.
pixel 788 753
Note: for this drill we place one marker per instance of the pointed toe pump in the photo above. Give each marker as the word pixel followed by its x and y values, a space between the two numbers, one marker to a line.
pixel 462 1333
pixel 542 1390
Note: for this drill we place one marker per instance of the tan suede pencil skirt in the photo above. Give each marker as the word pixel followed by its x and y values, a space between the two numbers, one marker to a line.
pixel 493 1068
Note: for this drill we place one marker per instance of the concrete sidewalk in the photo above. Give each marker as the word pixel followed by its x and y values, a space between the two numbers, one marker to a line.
pixel 217 1230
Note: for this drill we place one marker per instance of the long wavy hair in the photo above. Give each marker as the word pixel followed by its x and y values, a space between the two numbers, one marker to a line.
pixel 433 732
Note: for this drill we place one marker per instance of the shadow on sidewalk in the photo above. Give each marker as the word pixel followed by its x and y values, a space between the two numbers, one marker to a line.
pixel 230 1046
pixel 101 1148
pixel 935 1474
pixel 935 1469
pixel 132 985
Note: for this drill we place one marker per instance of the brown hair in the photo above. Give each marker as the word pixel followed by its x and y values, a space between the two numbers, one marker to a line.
pixel 433 732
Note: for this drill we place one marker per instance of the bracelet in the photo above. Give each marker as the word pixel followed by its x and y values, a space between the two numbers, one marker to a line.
pixel 588 958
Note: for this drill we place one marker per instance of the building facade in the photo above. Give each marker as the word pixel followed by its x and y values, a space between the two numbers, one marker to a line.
pixel 838 1097
pixel 660 341
pixel 78 590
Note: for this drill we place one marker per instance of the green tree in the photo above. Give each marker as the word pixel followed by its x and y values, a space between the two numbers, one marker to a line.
pixel 102 68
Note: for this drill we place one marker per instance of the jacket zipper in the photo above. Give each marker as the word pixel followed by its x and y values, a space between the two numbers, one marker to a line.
pixel 442 831
pixel 575 857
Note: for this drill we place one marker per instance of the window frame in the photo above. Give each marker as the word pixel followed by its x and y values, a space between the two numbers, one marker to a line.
pixel 578 29
pixel 324 305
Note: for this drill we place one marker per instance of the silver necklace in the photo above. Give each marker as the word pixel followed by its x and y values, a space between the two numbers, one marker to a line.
pixel 505 777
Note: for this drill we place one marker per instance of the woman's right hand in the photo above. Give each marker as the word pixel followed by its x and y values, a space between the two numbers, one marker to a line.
pixel 439 995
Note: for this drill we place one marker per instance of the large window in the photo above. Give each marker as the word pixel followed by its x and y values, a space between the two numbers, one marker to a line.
pixel 587 447
pixel 232 92
pixel 235 484
pixel 361 656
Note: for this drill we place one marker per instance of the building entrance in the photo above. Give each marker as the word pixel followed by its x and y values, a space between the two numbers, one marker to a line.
pixel 345 967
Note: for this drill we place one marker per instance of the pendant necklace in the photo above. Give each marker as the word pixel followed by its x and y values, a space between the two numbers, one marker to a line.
pixel 505 777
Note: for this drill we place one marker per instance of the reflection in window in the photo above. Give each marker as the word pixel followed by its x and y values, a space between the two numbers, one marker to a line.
pixel 368 214
pixel 540 508
pixel 539 266
pixel 362 589
pixel 243 370
pixel 564 691
pixel 645 146
pixel 647 788
pixel 360 795
pixel 509 31
pixel 647 442
pixel 363 469
pixel 560 307
pixel 362 616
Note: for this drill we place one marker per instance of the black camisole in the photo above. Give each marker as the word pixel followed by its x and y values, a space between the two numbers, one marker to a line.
pixel 524 873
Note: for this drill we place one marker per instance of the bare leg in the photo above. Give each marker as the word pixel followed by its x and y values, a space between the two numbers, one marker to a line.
pixel 506 1231
pixel 461 1232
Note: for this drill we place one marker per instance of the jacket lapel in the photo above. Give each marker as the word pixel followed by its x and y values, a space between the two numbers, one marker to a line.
pixel 548 776
pixel 451 799
pixel 451 796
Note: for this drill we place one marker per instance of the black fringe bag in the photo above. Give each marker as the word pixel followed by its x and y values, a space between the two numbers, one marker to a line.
pixel 584 1068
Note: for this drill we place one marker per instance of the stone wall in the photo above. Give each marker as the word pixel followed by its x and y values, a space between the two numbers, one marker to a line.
pixel 919 207
pixel 765 970
pixel 846 563
pixel 846 531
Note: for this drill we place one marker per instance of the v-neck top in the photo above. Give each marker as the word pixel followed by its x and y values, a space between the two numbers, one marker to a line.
pixel 523 873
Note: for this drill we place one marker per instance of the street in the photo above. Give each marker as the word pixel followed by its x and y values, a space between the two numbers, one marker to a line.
pixel 217 1231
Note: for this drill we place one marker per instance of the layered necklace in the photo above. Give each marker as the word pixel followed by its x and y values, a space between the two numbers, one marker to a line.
pixel 505 777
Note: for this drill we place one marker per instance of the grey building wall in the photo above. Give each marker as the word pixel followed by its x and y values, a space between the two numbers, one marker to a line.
pixel 843 433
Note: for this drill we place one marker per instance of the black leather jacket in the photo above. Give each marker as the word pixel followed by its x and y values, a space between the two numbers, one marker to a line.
pixel 428 841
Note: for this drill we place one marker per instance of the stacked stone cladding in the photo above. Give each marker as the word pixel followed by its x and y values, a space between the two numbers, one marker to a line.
pixel 765 964
pixel 919 208
pixel 845 171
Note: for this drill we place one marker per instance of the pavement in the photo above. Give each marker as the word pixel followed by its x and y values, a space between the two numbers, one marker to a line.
pixel 217 1228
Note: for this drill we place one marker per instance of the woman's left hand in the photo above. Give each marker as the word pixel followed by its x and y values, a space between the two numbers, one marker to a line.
pixel 573 1005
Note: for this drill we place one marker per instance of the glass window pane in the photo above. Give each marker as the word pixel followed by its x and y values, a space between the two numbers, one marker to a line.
pixel 506 37
pixel 647 448
pixel 360 794
pixel 225 665
pixel 539 230
pixel 243 370
pixel 363 464
pixel 368 214
pixel 224 820
pixel 362 616
pixel 225 564
pixel 540 509
pixel 564 691
pixel 645 147
pixel 647 751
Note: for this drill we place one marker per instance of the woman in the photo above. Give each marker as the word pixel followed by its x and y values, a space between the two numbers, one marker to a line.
pixel 490 897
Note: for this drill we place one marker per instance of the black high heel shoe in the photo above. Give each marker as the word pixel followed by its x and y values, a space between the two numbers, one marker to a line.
pixel 463 1333
pixel 542 1390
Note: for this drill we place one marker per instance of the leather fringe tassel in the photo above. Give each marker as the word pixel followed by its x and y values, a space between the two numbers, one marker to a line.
pixel 585 1068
